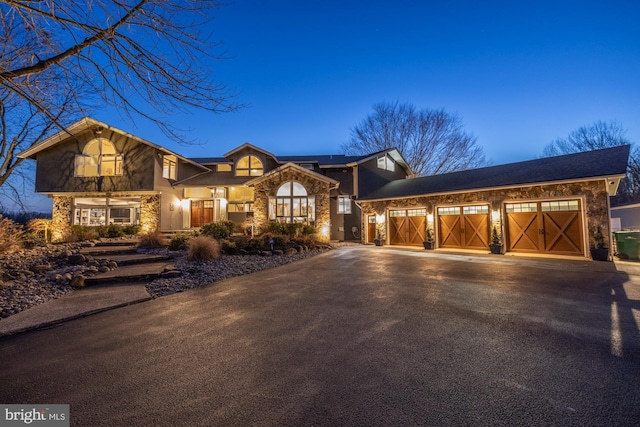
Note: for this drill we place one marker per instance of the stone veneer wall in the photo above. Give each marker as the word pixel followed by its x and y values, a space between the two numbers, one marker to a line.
pixel 593 193
pixel 320 189
pixel 62 213
pixel 61 217
pixel 150 212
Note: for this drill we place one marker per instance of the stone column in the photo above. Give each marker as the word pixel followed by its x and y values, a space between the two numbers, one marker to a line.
pixel 150 213
pixel 61 217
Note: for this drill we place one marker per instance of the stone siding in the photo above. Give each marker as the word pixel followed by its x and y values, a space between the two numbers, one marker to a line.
pixel 150 212
pixel 593 194
pixel 320 189
pixel 61 217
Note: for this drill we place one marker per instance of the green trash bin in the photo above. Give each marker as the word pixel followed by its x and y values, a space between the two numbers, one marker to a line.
pixel 628 244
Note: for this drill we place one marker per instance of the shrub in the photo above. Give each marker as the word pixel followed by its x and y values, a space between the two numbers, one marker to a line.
pixel 32 240
pixel 179 241
pixel 131 229
pixel 115 230
pixel 255 245
pixel 219 230
pixel 203 248
pixel 10 234
pixel 228 247
pixel 103 230
pixel 272 228
pixel 40 226
pixel 308 230
pixel 151 239
pixel 279 241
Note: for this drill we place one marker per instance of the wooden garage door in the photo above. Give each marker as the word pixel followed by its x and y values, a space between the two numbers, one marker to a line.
pixel 553 227
pixel 465 227
pixel 407 226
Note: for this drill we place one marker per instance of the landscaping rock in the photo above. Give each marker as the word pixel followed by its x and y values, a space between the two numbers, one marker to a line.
pixel 76 259
pixel 77 282
pixel 278 252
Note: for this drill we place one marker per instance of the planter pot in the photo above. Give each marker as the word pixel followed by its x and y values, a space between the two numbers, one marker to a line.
pixel 378 242
pixel 429 244
pixel 600 254
pixel 495 249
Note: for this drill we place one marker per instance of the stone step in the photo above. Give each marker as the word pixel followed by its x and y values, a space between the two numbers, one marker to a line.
pixel 101 251
pixel 133 273
pixel 117 242
pixel 136 258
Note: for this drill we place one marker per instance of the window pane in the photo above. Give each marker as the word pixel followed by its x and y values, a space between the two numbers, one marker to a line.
pixel 476 210
pixel 243 163
pixel 449 211
pixel 299 190
pixel 284 190
pixel 417 212
pixel 382 162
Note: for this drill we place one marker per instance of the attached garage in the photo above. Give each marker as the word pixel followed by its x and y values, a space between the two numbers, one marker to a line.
pixel 552 227
pixel 407 226
pixel 464 227
pixel 554 206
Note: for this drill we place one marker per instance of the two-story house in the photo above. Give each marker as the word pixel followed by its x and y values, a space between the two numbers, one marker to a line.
pixel 98 175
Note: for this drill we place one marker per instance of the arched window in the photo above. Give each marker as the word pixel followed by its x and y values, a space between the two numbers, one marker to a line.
pixel 292 204
pixel 98 158
pixel 249 166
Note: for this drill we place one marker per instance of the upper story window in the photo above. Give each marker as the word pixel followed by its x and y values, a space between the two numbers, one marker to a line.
pixel 385 162
pixel 249 166
pixel 169 166
pixel 223 168
pixel 344 205
pixel 99 158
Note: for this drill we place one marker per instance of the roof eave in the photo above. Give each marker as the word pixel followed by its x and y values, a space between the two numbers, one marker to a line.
pixel 607 179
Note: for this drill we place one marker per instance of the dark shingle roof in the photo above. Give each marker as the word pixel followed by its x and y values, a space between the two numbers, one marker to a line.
pixel 322 160
pixel 589 164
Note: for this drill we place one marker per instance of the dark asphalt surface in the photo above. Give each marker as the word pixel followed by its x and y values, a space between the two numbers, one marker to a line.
pixel 359 336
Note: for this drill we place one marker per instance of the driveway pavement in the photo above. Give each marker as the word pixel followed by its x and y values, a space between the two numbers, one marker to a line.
pixel 355 336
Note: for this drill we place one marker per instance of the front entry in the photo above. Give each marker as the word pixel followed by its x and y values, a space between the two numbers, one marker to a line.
pixel 464 227
pixel 202 212
pixel 407 226
pixel 545 227
pixel 371 228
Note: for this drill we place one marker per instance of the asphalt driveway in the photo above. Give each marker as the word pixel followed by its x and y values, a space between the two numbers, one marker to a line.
pixel 356 336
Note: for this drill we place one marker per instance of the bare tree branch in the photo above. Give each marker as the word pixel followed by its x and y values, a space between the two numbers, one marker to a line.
pixel 432 141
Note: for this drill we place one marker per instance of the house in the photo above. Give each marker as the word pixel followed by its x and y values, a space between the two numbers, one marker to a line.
pixel 98 175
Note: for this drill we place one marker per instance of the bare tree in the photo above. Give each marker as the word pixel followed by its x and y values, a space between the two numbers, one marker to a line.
pixel 600 135
pixel 60 59
pixel 432 141
pixel 586 138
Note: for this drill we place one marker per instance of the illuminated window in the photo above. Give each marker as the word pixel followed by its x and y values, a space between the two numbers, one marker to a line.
pixel 565 205
pixel 344 205
pixel 249 166
pixel 99 158
pixel 169 167
pixel 521 207
pixel 449 211
pixel 223 168
pixel 292 205
pixel 476 210
pixel 385 162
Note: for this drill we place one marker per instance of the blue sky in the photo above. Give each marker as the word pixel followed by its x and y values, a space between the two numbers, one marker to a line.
pixel 519 74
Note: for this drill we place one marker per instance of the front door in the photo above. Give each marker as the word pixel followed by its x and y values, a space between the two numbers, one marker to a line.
pixel 371 228
pixel 202 212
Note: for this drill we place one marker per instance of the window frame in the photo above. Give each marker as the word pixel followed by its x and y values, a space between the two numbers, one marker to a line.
pixel 344 205
pixel 169 166
pixel 251 170
pixel 106 156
